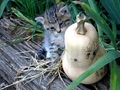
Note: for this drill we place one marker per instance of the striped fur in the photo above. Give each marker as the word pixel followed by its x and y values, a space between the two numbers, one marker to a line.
pixel 55 21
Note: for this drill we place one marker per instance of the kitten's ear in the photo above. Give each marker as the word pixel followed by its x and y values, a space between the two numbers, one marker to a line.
pixel 64 11
pixel 40 19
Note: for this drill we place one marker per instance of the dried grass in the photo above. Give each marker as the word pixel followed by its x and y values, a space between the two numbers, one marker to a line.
pixel 42 69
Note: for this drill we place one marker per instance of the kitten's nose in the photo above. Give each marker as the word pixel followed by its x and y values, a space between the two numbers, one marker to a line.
pixel 59 31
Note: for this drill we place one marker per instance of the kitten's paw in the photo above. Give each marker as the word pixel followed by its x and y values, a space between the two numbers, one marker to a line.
pixel 41 56
pixel 41 53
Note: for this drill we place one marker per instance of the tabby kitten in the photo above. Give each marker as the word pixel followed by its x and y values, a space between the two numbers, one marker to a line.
pixel 55 21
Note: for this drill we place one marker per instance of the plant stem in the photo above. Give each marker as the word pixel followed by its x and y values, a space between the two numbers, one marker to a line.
pixel 81 18
pixel 80 28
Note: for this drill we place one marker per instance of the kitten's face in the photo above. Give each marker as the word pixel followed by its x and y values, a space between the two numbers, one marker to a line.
pixel 56 19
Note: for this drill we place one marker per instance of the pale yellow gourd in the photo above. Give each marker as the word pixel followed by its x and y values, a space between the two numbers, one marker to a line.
pixel 82 49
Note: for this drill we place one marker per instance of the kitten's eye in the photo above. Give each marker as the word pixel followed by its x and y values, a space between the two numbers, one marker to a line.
pixel 67 22
pixel 52 28
pixel 61 24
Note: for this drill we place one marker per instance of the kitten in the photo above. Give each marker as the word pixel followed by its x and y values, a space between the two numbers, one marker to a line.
pixel 55 21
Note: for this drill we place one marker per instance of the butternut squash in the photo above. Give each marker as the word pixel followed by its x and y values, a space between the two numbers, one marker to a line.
pixel 82 49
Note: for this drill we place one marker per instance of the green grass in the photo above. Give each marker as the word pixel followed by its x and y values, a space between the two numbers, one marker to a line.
pixel 2 6
pixel 30 8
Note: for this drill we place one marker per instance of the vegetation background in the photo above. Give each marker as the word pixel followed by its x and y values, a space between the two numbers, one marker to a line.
pixel 105 16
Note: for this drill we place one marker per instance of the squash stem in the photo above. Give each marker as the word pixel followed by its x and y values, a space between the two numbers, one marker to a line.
pixel 81 18
pixel 80 27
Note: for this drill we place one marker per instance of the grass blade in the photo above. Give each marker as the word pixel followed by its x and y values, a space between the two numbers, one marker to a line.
pixel 105 59
pixel 114 28
pixel 2 6
pixel 20 15
pixel 115 76
pixel 93 5
pixel 113 9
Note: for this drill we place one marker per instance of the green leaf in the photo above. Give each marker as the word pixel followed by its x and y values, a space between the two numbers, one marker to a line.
pixel 105 59
pixel 20 15
pixel 2 6
pixel 113 8
pixel 108 47
pixel 93 5
pixel 114 29
pixel 74 11
pixel 114 76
